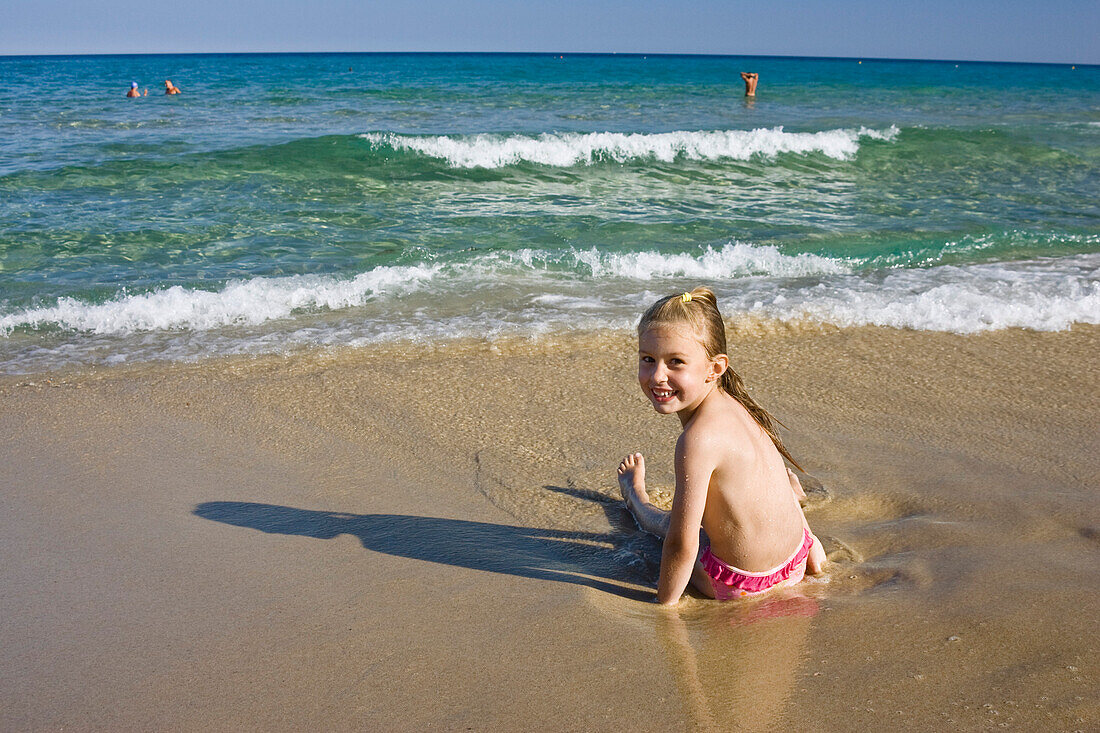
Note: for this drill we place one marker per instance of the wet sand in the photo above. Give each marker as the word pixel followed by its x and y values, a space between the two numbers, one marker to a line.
pixel 405 538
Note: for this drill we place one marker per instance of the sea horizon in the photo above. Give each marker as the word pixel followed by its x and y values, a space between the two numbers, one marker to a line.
pixel 627 54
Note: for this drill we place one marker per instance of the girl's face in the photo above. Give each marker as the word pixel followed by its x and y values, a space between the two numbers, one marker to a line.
pixel 674 370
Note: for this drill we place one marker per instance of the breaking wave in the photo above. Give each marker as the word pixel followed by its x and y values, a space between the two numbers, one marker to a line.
pixel 240 302
pixel 569 149
pixel 536 290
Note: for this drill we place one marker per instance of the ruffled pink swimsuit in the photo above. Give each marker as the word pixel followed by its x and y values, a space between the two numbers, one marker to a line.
pixel 730 582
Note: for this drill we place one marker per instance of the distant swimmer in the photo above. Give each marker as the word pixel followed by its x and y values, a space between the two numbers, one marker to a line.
pixel 133 90
pixel 750 83
pixel 170 88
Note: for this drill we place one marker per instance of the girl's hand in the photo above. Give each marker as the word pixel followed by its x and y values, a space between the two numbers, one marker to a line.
pixel 816 562
pixel 796 485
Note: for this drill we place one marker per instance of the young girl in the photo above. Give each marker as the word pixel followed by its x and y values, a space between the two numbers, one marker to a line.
pixel 730 478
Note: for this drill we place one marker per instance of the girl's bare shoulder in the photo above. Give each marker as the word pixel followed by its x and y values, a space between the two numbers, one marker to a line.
pixel 729 435
pixel 716 431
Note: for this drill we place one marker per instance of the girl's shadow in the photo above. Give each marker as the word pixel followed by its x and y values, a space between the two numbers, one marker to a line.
pixel 546 554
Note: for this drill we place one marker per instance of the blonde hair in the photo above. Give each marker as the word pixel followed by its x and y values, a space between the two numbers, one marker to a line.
pixel 699 310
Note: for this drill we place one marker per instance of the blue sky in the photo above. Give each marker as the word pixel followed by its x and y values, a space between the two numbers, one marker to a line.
pixel 1059 31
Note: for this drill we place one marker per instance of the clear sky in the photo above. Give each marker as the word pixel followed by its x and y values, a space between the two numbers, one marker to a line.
pixel 1061 31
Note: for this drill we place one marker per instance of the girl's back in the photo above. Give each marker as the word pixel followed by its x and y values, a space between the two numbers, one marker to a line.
pixel 751 517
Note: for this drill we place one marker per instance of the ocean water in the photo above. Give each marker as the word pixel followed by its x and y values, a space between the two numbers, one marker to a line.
pixel 299 201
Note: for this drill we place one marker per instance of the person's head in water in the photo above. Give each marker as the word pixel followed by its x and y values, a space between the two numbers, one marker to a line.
pixel 696 312
pixel 133 91
pixel 170 88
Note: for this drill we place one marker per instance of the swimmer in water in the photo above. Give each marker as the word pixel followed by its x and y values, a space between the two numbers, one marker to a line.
pixel 750 83
pixel 133 91
pixel 170 88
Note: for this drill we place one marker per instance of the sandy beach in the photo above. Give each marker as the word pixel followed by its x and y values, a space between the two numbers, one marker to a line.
pixel 409 538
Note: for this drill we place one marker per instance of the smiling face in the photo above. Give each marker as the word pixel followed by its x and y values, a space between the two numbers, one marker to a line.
pixel 674 370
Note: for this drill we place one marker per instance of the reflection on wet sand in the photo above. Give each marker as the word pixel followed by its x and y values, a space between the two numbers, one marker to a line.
pixel 736 664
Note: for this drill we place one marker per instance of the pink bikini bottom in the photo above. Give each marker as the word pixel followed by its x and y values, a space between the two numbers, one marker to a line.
pixel 730 582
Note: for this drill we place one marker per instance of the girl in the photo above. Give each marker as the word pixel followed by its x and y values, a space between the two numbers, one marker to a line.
pixel 730 478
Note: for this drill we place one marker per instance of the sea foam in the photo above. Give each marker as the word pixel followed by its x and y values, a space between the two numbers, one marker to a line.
pixel 569 149
pixel 1049 294
pixel 733 260
pixel 262 299
pixel 536 290
pixel 239 303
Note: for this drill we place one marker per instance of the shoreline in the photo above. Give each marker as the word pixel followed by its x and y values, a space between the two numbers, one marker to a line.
pixel 375 537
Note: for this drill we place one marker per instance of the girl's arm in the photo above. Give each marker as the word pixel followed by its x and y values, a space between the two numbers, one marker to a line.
pixel 680 550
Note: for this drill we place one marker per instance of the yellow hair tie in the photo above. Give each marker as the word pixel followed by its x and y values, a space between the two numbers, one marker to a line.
pixel 686 297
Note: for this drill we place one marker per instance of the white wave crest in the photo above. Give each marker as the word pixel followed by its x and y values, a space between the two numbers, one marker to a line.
pixel 257 301
pixel 242 303
pixel 568 149
pixel 534 291
pixel 731 261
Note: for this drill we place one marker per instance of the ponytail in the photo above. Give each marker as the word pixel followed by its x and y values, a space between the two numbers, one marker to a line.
pixel 732 385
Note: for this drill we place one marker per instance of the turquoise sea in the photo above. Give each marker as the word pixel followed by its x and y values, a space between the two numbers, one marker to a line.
pixel 297 201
